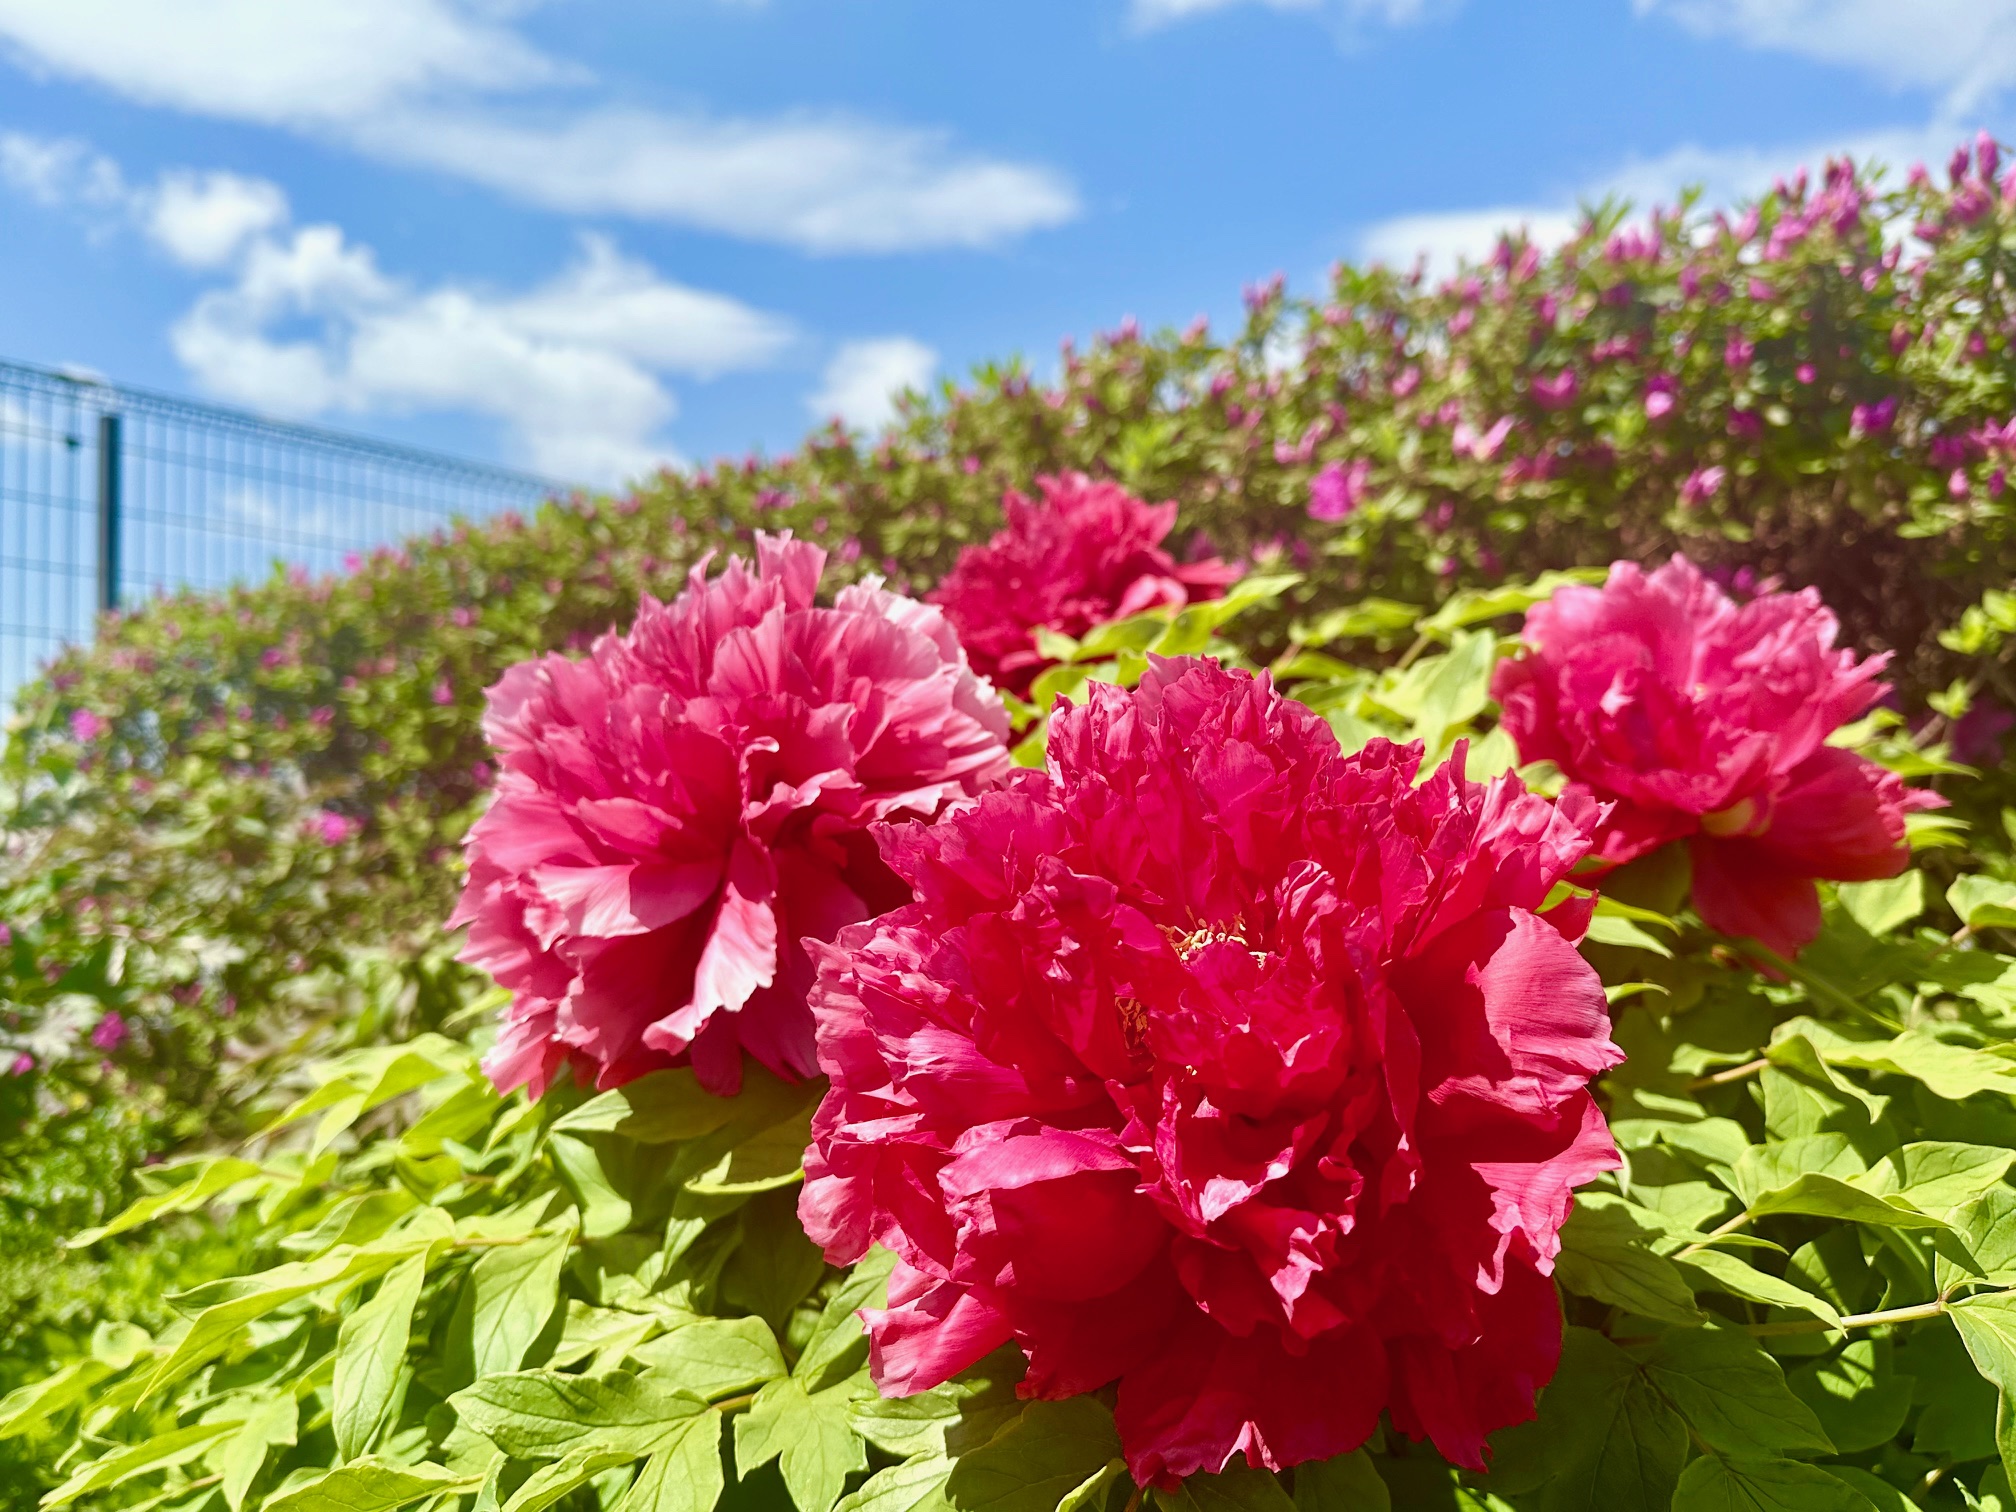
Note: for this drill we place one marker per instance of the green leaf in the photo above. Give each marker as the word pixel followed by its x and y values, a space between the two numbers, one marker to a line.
pixel 1953 1072
pixel 253 1297
pixel 1091 1495
pixel 1987 1228
pixel 960 1415
pixel 683 1476
pixel 1771 1167
pixel 515 1288
pixel 898 1488
pixel 1479 604
pixel 714 1358
pixel 1732 1394
pixel 1884 905
pixel 28 1406
pixel 1937 1176
pixel 808 1435
pixel 164 1451
pixel 604 1210
pixel 775 1265
pixel 1987 1326
pixel 1037 1459
pixel 1604 1440
pixel 370 1485
pixel 271 1418
pixel 1368 617
pixel 1721 1272
pixel 657 1108
pixel 839 1346
pixel 1858 1397
pixel 1713 1484
pixel 1348 1483
pixel 1983 902
pixel 370 1354
pixel 1606 1254
pixel 207 1179
pixel 542 1414
pixel 1239 1489
pixel 567 1474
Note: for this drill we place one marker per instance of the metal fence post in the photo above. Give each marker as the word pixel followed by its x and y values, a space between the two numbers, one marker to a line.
pixel 108 511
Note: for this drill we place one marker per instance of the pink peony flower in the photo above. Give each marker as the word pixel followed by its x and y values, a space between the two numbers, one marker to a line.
pixel 1705 721
pixel 676 812
pixel 1662 396
pixel 1226 1067
pixel 1336 492
pixel 1083 554
pixel 110 1032
pixel 21 1065
pixel 85 726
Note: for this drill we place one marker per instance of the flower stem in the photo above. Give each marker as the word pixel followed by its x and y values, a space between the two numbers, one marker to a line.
pixel 1134 1500
pixel 1715 1233
pixel 1914 1314
pixel 1820 987
pixel 1729 1074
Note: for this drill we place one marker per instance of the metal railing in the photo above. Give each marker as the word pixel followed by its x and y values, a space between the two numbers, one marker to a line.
pixel 109 494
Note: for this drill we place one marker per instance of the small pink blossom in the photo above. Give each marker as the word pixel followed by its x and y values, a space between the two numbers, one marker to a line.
pixel 1873 419
pixel 21 1065
pixel 1467 441
pixel 1661 396
pixel 444 692
pixel 1338 489
pixel 1557 390
pixel 330 827
pixel 1701 485
pixel 110 1032
pixel 86 726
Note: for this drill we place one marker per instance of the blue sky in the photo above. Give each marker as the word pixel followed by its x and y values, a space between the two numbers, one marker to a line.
pixel 589 235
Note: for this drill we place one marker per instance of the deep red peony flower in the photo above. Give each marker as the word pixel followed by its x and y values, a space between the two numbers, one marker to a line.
pixel 677 810
pixel 1084 554
pixel 1226 1066
pixel 1705 720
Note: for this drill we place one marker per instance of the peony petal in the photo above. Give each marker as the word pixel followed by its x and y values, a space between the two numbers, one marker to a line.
pixel 1739 890
pixel 930 1338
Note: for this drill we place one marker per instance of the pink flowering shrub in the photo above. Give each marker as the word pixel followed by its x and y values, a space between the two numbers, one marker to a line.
pixel 1081 554
pixel 1696 718
pixel 677 810
pixel 1220 1065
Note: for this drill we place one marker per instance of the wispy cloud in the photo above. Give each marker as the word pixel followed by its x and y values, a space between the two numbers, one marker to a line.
pixel 447 85
pixel 862 381
pixel 1963 50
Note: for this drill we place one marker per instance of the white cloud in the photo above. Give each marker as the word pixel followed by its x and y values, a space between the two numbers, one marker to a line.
pixel 60 171
pixel 1964 49
pixel 202 220
pixel 309 324
pixel 574 366
pixel 1725 176
pixel 862 381
pixel 821 183
pixel 1149 15
pixel 301 61
pixel 446 85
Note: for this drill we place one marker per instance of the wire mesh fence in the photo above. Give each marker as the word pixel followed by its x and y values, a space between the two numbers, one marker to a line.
pixel 109 494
